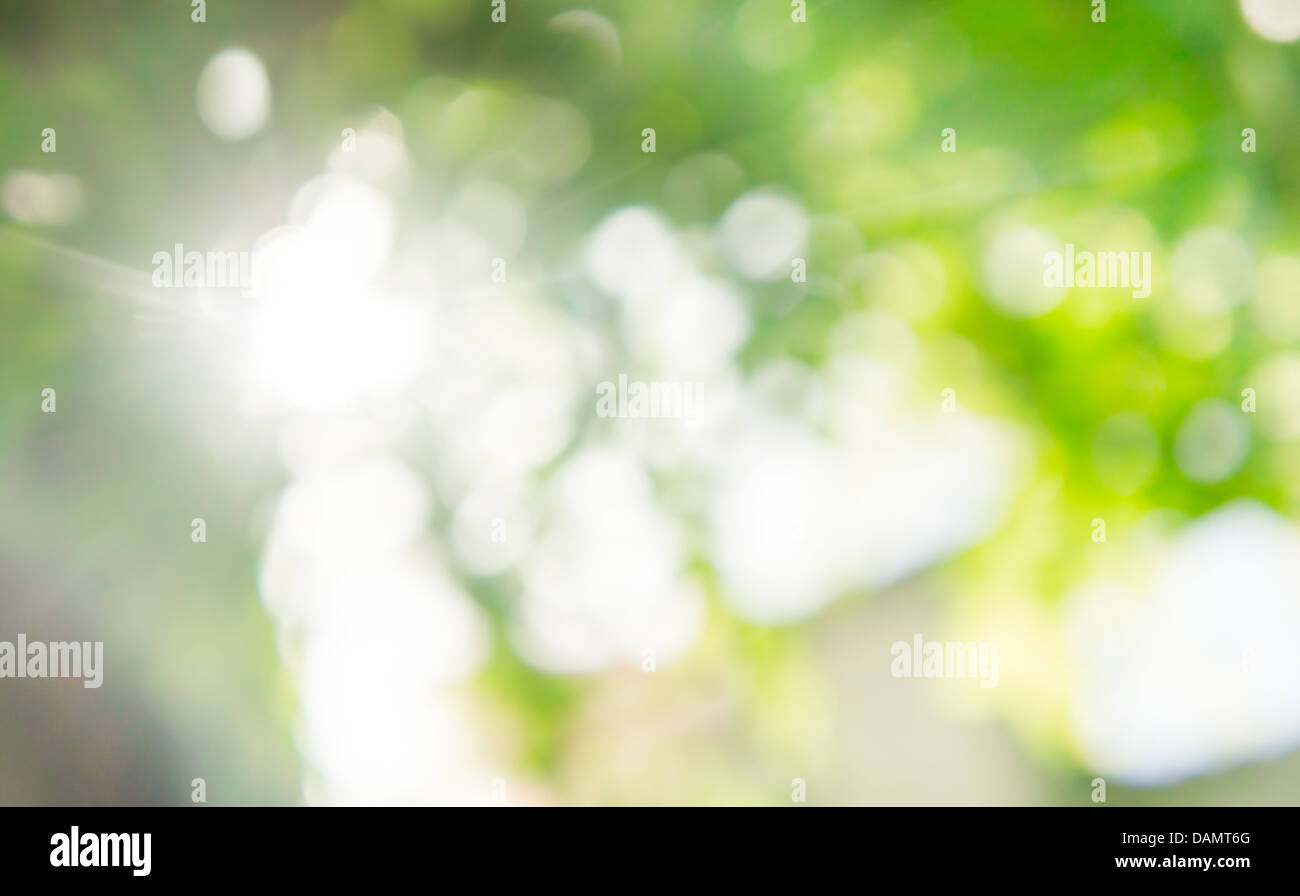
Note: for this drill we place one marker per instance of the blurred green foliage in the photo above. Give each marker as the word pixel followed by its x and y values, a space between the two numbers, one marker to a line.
pixel 1060 122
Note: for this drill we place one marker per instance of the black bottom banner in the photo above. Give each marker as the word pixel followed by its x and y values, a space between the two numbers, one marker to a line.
pixel 143 846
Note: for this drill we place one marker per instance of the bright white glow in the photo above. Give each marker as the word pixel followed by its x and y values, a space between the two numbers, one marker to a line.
pixel 920 499
pixel 1198 671
pixel 1013 272
pixel 320 338
pixel 922 485
pixel 347 227
pixel 431 632
pixel 776 523
pixel 314 444
pixel 1275 20
pixel 331 522
pixel 507 375
pixel 795 519
pixel 492 528
pixel 328 353
pixel 346 575
pixel 604 582
pixel 632 251
pixel 375 740
pixel 688 331
pixel 762 232
pixel 234 94
pixel 686 447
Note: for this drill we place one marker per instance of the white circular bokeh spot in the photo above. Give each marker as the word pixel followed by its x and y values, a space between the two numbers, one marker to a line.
pixel 1013 272
pixel 631 252
pixel 762 232
pixel 234 94
pixel 1275 20
pixel 1191 670
pixel 1212 442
